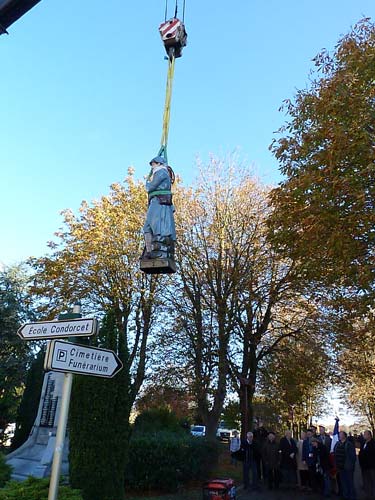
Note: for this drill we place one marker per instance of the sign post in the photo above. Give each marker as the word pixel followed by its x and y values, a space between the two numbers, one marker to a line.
pixel 69 358
pixel 64 328
pixel 81 359
pixel 60 437
pixel 61 425
pixel 74 358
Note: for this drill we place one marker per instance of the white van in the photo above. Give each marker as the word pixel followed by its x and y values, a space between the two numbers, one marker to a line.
pixel 198 430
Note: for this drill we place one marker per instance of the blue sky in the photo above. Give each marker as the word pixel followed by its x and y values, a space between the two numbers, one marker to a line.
pixel 82 92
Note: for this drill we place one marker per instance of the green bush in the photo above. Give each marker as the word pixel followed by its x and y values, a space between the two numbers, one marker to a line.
pixel 5 471
pixel 164 460
pixel 35 489
pixel 156 420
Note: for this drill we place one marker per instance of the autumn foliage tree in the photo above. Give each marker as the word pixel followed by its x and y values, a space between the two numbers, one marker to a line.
pixel 324 209
pixel 234 298
pixel 295 379
pixel 96 260
pixel 356 364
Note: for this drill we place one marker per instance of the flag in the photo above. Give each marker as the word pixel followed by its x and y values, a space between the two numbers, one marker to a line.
pixel 335 435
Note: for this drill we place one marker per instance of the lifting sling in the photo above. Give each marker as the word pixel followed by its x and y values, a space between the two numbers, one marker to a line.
pixel 167 109
pixel 174 37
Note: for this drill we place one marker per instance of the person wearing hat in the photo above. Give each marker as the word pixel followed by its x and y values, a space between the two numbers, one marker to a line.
pixel 271 461
pixel 159 226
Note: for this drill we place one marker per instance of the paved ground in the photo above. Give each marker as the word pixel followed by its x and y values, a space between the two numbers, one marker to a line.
pixel 284 494
pixel 264 494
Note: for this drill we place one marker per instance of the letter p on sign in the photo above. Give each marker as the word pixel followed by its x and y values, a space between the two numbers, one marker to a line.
pixel 61 355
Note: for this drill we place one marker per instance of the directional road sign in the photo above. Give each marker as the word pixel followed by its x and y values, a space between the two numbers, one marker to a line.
pixel 81 327
pixel 76 358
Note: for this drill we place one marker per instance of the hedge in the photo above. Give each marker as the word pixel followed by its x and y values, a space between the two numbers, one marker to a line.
pixel 158 419
pixel 163 461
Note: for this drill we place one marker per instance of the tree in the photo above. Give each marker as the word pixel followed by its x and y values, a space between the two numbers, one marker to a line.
pixel 356 365
pixel 96 261
pixel 324 209
pixel 235 298
pixel 205 291
pixel 295 378
pixel 158 395
pixel 99 424
pixel 28 408
pixel 14 352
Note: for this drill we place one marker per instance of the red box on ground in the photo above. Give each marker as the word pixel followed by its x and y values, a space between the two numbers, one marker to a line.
pixel 219 489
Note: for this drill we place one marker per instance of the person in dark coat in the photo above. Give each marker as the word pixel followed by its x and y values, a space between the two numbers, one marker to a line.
pixel 288 462
pixel 324 438
pixel 322 482
pixel 260 437
pixel 250 452
pixel 345 458
pixel 308 456
pixel 366 459
pixel 271 461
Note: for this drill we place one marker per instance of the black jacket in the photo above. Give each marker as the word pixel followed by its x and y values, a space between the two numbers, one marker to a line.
pixel 366 456
pixel 270 454
pixel 327 441
pixel 250 451
pixel 287 448
pixel 321 457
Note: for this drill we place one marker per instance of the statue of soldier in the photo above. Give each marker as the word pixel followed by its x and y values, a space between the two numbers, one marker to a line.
pixel 159 228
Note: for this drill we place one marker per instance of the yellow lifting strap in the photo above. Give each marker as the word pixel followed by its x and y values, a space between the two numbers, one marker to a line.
pixel 167 107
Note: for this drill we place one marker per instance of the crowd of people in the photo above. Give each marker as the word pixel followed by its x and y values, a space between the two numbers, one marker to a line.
pixel 310 463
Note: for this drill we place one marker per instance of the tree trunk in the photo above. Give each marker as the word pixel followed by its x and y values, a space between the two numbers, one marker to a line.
pixel 246 395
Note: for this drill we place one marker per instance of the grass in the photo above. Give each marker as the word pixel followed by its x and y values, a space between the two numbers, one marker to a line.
pixel 224 469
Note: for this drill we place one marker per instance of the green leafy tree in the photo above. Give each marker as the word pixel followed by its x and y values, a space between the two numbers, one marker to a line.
pixel 28 408
pixel 324 209
pixel 232 415
pixel 14 352
pixel 99 424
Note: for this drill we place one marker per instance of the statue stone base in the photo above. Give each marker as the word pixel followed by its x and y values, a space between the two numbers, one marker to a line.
pixel 35 456
pixel 158 265
pixel 161 259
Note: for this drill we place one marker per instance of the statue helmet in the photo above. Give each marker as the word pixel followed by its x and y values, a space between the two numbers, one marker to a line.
pixel 159 159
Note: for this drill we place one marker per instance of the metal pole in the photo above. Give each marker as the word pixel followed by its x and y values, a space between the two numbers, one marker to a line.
pixel 60 437
pixel 61 427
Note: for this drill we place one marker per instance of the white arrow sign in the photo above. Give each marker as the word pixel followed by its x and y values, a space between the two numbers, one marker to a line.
pixel 81 327
pixel 76 358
